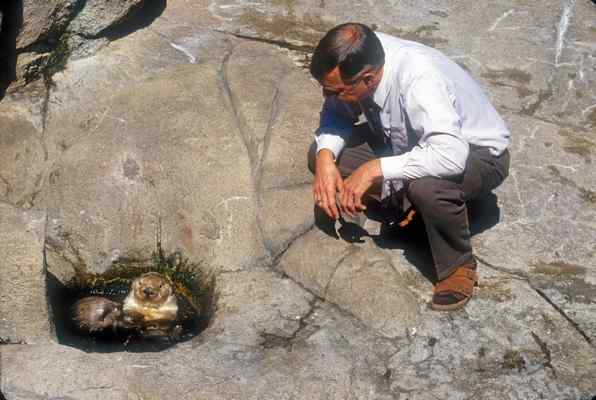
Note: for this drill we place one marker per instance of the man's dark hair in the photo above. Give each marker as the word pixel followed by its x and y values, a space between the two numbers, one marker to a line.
pixel 350 46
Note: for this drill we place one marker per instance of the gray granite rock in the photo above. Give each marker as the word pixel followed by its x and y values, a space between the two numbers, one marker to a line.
pixel 22 153
pixel 96 16
pixel 138 172
pixel 24 314
pixel 53 31
pixel 207 132
pixel 44 20
pixel 547 214
pixel 358 278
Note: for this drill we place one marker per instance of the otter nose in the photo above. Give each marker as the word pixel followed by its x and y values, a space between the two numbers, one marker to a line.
pixel 148 291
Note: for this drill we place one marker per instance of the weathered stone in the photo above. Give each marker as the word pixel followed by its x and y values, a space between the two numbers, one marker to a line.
pixel 509 340
pixel 314 273
pixel 547 205
pixel 97 16
pixel 23 308
pixel 366 284
pixel 52 31
pixel 127 170
pixel 284 215
pixel 216 367
pixel 134 134
pixel 44 21
pixel 360 279
pixel 276 309
pixel 22 155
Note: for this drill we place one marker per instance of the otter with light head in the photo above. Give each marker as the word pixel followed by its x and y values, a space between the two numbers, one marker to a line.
pixel 153 304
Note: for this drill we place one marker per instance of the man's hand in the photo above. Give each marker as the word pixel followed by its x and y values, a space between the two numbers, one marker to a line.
pixel 328 181
pixel 357 184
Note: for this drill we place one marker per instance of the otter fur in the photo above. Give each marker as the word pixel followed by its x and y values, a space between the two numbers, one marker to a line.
pixel 95 313
pixel 152 302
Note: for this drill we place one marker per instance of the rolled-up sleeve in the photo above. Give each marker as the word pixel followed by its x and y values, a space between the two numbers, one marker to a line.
pixel 335 126
pixel 441 150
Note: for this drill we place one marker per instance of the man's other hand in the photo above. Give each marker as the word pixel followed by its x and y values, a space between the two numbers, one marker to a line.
pixel 327 183
pixel 357 184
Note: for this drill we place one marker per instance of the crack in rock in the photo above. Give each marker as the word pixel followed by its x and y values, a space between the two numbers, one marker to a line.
pixel 278 257
pixel 304 48
pixel 6 341
pixel 272 340
pixel 351 251
pixel 546 351
pixel 521 276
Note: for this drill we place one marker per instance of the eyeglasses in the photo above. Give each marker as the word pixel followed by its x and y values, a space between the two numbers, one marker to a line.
pixel 348 87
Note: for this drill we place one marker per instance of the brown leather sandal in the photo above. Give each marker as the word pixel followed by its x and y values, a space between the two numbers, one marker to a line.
pixel 453 292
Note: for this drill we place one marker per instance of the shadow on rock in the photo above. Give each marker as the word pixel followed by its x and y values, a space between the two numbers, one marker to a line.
pixel 414 243
pixel 139 18
pixel 483 213
pixel 324 223
pixel 12 20
pixel 348 231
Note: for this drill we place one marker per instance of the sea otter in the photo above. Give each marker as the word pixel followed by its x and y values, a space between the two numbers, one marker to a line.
pixel 152 303
pixel 95 314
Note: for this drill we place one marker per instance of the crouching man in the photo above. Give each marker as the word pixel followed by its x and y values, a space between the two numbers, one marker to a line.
pixel 431 136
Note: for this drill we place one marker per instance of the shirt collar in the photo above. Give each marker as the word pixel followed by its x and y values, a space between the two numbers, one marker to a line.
pixel 378 98
pixel 386 84
pixel 382 91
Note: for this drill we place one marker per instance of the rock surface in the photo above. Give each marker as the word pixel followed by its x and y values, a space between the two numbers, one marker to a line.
pixel 197 126
pixel 24 314
pixel 47 33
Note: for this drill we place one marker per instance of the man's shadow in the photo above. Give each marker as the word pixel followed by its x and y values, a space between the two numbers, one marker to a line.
pixel 483 213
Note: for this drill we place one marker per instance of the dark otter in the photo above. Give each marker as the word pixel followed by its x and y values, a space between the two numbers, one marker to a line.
pixel 95 313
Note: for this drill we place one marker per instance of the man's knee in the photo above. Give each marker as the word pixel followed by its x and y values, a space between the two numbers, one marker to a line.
pixel 431 195
pixel 421 190
pixel 312 157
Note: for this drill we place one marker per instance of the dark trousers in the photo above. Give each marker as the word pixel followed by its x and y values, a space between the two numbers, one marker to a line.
pixel 440 201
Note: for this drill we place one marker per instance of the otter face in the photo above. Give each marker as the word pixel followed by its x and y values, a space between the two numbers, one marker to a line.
pixel 152 288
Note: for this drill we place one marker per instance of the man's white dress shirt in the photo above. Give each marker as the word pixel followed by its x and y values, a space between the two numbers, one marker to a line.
pixel 430 110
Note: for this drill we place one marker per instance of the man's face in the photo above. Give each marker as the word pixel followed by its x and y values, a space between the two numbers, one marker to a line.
pixel 347 91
